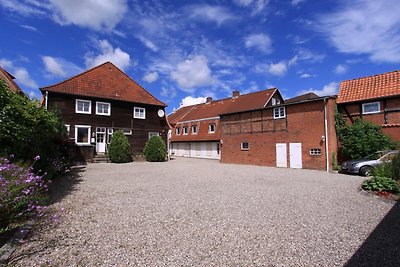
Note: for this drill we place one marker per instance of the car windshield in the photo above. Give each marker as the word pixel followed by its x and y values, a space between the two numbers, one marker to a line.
pixel 374 156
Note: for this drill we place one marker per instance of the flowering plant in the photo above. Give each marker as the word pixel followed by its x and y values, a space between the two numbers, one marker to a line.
pixel 21 193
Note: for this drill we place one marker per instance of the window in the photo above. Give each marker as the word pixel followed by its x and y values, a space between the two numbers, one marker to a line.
pixel 245 145
pixel 110 132
pixel 82 134
pixel 275 101
pixel 177 130
pixel 103 108
pixel 185 130
pixel 315 152
pixel 127 131
pixel 369 108
pixel 151 134
pixel 83 106
pixel 139 113
pixel 68 127
pixel 194 129
pixel 279 113
pixel 211 128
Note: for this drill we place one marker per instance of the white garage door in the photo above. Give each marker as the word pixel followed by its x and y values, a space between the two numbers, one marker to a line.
pixel 295 155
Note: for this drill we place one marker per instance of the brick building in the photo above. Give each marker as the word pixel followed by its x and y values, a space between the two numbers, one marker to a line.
pixel 374 98
pixel 297 133
pixel 196 130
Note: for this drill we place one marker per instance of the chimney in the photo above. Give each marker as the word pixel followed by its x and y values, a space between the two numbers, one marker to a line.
pixel 209 99
pixel 235 93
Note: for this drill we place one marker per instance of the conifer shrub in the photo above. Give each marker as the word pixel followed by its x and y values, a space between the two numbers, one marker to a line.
pixel 119 149
pixel 155 150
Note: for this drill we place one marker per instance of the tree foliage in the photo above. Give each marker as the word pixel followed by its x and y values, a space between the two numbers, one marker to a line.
pixel 28 130
pixel 155 150
pixel 361 139
pixel 119 149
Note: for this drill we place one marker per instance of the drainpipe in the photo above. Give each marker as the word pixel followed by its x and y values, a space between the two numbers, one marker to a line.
pixel 45 100
pixel 326 135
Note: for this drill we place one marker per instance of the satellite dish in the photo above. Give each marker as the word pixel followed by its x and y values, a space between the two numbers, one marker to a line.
pixel 160 113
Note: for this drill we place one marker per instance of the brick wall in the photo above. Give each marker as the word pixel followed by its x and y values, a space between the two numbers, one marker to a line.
pixel 304 123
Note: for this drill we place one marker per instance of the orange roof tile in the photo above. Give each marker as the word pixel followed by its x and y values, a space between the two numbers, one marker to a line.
pixel 372 87
pixel 105 81
pixel 9 80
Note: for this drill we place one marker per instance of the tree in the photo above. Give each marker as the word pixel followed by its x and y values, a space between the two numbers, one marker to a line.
pixel 361 139
pixel 155 150
pixel 119 149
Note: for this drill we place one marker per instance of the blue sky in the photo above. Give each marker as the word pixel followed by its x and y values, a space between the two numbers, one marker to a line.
pixel 183 51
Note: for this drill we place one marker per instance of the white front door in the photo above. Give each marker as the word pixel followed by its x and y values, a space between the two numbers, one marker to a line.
pixel 296 161
pixel 281 155
pixel 100 140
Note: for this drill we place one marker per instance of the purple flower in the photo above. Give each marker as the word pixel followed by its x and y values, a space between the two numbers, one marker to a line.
pixel 37 158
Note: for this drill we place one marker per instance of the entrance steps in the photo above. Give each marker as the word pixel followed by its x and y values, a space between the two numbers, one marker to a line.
pixel 101 158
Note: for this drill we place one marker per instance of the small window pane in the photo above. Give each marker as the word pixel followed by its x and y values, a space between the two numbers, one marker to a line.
pixel 245 146
pixel 371 108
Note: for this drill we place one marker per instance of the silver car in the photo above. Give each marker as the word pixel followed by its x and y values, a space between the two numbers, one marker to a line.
pixel 365 165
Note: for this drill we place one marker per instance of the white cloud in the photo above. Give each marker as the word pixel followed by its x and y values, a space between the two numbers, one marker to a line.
pixel 365 27
pixel 306 75
pixel 296 2
pixel 278 69
pixel 306 55
pixel 168 92
pixel 340 69
pixel 204 12
pixel 93 14
pixel 149 44
pixel 256 5
pixel 21 74
pixel 329 89
pixel 260 41
pixel 189 101
pixel 59 67
pixel 29 28
pixel 118 57
pixel 150 77
pixel 193 72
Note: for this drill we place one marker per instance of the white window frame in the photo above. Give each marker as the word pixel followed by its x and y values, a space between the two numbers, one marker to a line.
pixel 209 128
pixel 89 129
pixel 194 127
pixel 315 151
pixel 279 116
pixel 84 101
pixel 369 104
pixel 103 103
pixel 139 117
pixel 110 132
pixel 68 126
pixel 185 130
pixel 126 131
pixel 243 148
pixel 178 131
pixel 275 102
pixel 151 134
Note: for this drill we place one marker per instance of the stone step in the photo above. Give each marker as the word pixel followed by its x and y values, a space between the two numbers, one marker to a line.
pixel 101 158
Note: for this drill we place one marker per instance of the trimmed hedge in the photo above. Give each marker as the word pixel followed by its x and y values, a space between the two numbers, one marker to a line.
pixel 155 150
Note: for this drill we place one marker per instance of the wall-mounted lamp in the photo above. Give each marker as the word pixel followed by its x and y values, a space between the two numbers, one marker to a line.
pixel 323 138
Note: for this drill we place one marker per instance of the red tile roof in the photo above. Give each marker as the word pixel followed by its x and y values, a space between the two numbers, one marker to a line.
pixel 372 87
pixel 215 108
pixel 105 81
pixel 9 80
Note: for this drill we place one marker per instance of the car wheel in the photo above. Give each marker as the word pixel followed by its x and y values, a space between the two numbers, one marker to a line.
pixel 365 170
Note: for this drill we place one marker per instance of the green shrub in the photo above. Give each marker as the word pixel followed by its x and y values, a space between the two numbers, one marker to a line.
pixel 396 167
pixel 378 183
pixel 155 150
pixel 28 130
pixel 384 170
pixel 119 149
pixel 361 139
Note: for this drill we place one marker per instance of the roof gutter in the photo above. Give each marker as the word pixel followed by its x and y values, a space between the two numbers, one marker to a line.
pixel 326 135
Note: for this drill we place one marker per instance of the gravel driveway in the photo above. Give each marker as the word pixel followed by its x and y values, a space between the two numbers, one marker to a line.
pixel 190 212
